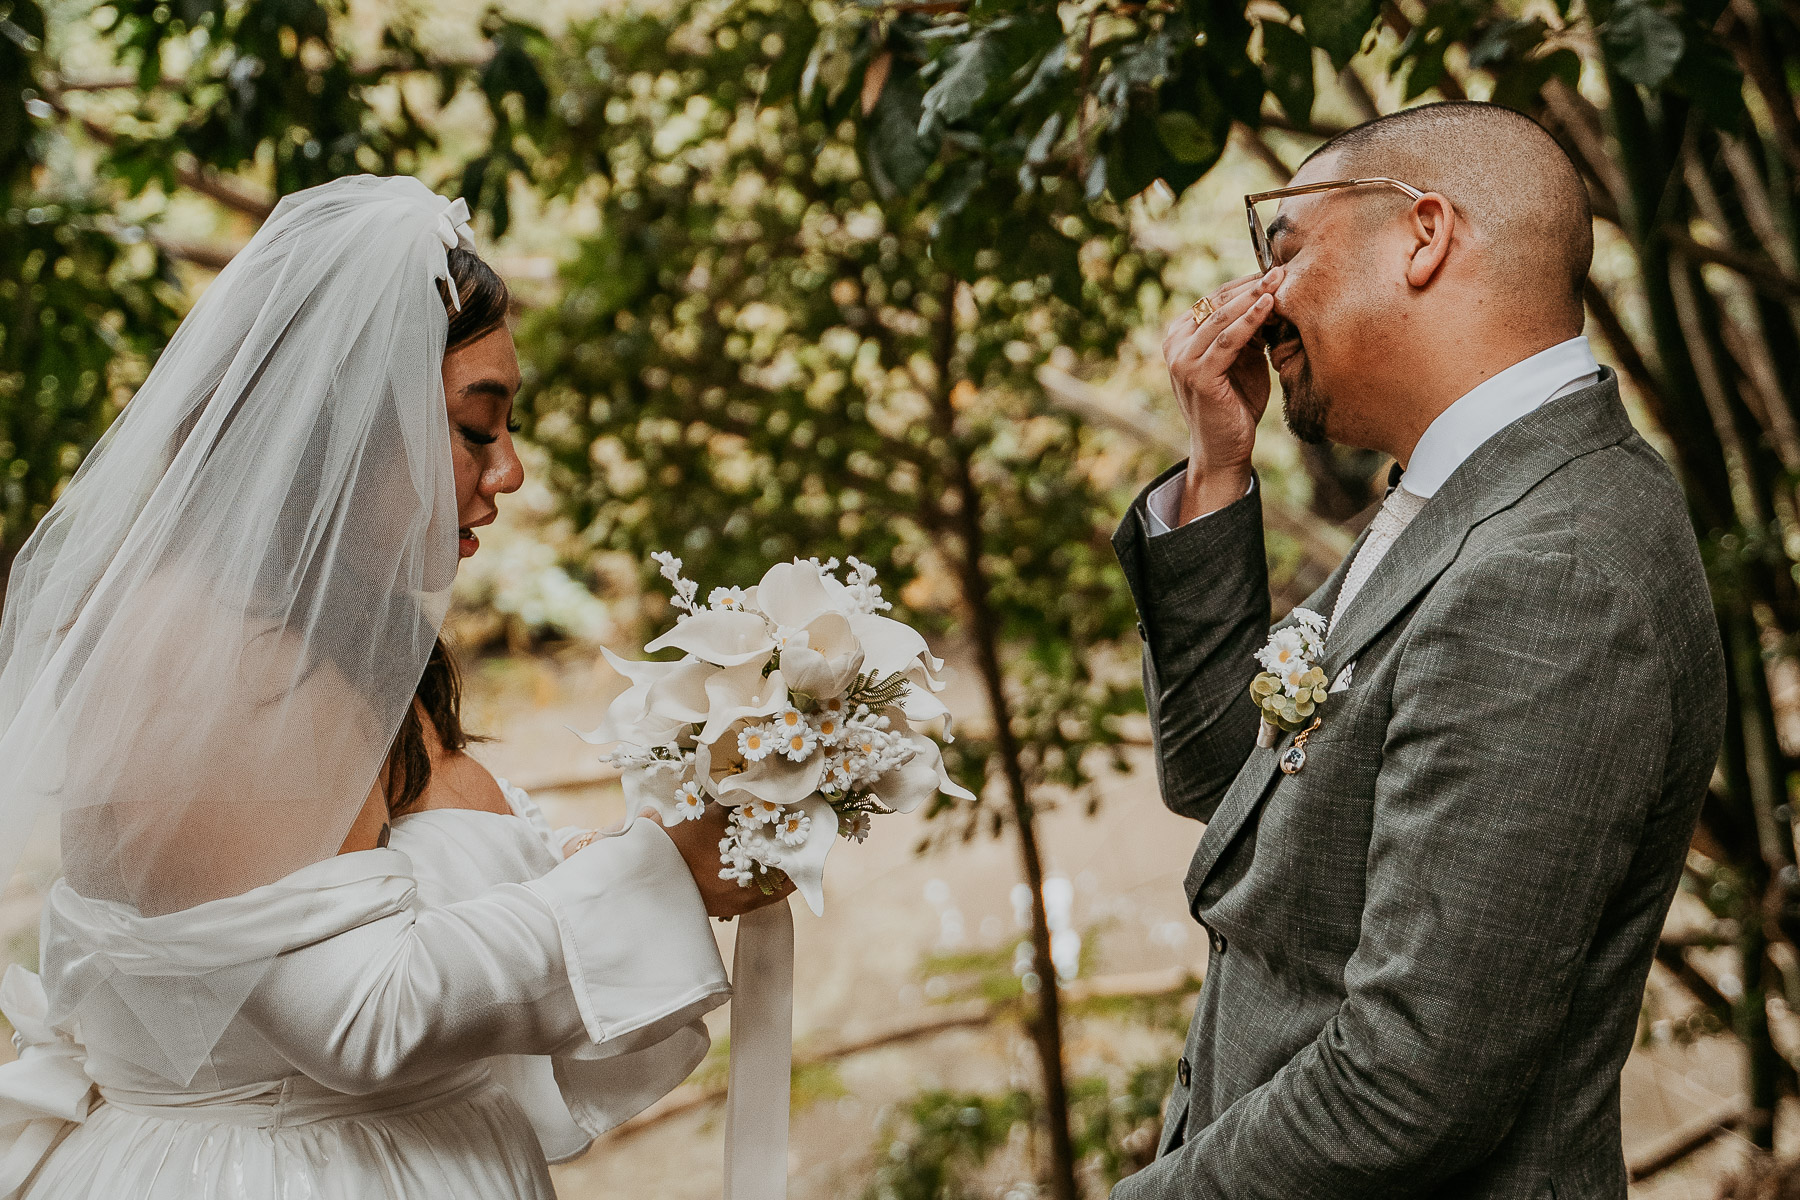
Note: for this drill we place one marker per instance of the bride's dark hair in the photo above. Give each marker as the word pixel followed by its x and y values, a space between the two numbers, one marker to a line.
pixel 484 300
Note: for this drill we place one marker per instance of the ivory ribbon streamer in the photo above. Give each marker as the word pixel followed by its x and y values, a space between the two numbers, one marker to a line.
pixel 762 1056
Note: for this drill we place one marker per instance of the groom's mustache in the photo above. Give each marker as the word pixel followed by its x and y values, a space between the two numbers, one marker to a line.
pixel 1279 335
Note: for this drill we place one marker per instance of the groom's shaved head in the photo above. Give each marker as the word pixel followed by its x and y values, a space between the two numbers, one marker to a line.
pixel 1521 196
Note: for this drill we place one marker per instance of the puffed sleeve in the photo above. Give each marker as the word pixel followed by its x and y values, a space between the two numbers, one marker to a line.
pixel 605 954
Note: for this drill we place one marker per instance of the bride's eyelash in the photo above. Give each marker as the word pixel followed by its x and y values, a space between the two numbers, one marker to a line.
pixel 479 438
pixel 512 425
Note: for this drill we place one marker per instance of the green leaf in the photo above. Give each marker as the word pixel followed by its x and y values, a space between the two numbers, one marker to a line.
pixel 974 70
pixel 895 155
pixel 1709 76
pixel 797 41
pixel 1642 44
pixel 1135 158
pixel 1186 139
pixel 1337 26
pixel 1288 71
pixel 1519 86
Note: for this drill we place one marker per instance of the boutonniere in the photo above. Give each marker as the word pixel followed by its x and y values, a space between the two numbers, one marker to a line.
pixel 1291 685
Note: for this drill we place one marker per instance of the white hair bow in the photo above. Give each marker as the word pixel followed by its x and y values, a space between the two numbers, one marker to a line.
pixel 453 231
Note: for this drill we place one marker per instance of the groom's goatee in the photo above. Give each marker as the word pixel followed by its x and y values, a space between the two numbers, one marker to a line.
pixel 1304 408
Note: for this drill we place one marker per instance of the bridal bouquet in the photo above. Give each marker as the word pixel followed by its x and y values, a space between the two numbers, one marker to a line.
pixel 796 704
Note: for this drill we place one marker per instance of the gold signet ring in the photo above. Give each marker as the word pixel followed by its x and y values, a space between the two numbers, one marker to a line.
pixel 1202 309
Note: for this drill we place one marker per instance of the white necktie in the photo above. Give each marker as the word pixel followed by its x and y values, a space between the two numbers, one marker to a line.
pixel 1397 512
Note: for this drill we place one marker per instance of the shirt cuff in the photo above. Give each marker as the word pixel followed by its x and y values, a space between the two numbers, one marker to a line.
pixel 1164 504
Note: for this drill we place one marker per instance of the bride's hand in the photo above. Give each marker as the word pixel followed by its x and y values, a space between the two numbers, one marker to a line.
pixel 698 842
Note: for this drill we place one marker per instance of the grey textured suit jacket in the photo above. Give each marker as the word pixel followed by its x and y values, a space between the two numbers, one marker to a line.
pixel 1430 944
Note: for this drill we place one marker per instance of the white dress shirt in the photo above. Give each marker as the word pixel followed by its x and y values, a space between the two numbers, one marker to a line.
pixel 1459 430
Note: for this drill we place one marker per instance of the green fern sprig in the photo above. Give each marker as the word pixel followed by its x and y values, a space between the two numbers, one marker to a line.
pixel 878 693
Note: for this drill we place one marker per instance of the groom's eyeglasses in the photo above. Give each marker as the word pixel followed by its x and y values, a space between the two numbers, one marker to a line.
pixel 1259 237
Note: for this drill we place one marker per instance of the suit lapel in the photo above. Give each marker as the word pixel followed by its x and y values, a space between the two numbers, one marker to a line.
pixel 1501 470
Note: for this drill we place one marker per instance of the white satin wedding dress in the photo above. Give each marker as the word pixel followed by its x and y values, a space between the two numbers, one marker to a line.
pixel 446 1014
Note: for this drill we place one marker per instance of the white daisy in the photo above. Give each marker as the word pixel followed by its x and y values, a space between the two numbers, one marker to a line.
pixel 793 828
pixel 756 742
pixel 798 744
pixel 690 803
pixel 759 812
pixel 856 826
pixel 1286 647
pixel 829 727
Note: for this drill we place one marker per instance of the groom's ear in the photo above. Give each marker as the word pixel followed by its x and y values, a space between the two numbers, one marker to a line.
pixel 1431 225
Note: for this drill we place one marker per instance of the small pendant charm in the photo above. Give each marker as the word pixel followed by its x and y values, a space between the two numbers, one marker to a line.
pixel 1265 735
pixel 1294 757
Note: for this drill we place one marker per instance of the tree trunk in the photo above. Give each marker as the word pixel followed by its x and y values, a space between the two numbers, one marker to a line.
pixel 984 629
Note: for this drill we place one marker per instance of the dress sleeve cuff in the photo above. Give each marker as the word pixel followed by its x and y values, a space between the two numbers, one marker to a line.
pixel 636 941
pixel 1163 504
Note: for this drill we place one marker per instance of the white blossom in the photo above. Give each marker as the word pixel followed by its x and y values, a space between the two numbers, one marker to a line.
pixel 725 597
pixel 690 804
pixel 758 812
pixel 685 589
pixel 1285 647
pixel 798 744
pixel 793 828
pixel 756 742
pixel 856 827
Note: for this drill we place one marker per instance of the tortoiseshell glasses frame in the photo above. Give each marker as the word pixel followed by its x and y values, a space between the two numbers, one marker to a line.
pixel 1259 237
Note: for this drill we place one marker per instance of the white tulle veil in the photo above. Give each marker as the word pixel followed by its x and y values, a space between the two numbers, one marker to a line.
pixel 210 641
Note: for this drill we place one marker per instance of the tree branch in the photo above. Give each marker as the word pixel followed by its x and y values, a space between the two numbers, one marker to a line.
pixel 188 170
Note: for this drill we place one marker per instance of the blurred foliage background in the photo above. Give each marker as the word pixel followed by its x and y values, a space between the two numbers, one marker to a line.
pixel 885 278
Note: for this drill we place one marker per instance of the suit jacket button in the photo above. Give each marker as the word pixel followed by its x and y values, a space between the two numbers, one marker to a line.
pixel 1184 1072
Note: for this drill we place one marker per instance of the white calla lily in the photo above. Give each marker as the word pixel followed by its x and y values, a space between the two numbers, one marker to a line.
pixel 777 779
pixel 660 700
pixel 723 637
pixel 653 787
pixel 920 706
pixel 805 863
pixel 824 658
pixel 793 593
pixel 736 693
pixel 890 647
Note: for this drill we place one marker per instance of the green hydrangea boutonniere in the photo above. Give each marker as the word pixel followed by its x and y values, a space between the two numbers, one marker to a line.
pixel 1291 685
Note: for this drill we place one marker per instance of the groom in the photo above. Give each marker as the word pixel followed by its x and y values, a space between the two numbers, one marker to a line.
pixel 1429 942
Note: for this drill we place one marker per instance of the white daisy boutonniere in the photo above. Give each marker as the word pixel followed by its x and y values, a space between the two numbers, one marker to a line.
pixel 1291 685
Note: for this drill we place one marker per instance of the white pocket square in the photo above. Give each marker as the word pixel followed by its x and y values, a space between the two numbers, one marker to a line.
pixel 1342 682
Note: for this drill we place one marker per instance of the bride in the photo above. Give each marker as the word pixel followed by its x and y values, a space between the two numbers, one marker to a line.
pixel 304 945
